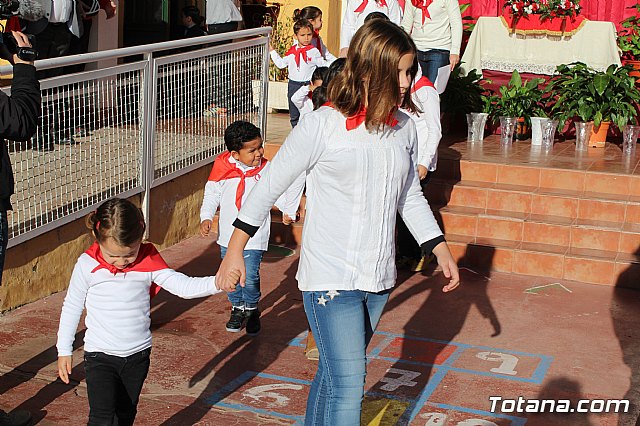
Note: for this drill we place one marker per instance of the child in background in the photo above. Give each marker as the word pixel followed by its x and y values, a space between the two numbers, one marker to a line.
pixel 233 176
pixel 357 11
pixel 427 120
pixel 302 98
pixel 115 279
pixel 301 60
pixel 314 15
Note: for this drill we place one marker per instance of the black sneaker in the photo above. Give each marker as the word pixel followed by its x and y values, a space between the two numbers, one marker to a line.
pixel 253 322
pixel 15 418
pixel 235 321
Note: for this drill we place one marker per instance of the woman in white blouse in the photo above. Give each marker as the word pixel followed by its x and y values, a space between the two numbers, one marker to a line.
pixel 360 158
pixel 436 28
pixel 357 11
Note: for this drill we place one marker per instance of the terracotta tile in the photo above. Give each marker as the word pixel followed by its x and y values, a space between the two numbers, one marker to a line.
pixel 601 210
pixel 484 172
pixel 554 205
pixel 538 264
pixel 627 274
pixel 488 258
pixel 459 224
pixel 504 229
pixel 607 183
pixel 596 239
pixel 498 243
pixel 562 179
pixel 601 224
pixel 508 214
pixel 553 220
pixel 629 243
pixel 592 253
pixel 509 201
pixel 588 270
pixel 518 175
pixel 546 233
pixel 634 186
pixel 544 248
pixel 468 196
pixel 633 213
pixel 457 249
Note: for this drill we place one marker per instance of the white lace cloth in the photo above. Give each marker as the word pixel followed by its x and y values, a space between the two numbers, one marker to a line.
pixel 491 47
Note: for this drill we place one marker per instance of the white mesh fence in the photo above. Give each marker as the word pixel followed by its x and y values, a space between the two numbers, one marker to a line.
pixel 92 134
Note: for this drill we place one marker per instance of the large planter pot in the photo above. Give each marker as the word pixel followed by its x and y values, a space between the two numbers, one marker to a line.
pixel 277 98
pixel 599 135
pixel 536 131
pixel 522 129
pixel 636 70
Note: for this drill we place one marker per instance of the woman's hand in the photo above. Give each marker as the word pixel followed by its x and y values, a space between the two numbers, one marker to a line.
pixel 422 171
pixel 448 265
pixel 64 367
pixel 231 271
pixel 453 60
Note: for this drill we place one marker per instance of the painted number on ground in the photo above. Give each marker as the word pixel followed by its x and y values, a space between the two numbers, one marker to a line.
pixel 507 362
pixel 439 419
pixel 405 378
pixel 266 393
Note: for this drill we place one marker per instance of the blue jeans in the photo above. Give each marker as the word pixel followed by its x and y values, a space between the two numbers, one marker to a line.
pixel 4 239
pixel 431 60
pixel 342 326
pixel 249 295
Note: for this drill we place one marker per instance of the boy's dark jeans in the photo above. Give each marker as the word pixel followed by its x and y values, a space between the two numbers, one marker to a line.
pixel 113 385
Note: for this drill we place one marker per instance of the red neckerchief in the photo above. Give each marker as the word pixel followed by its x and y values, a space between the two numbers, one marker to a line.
pixel 423 5
pixel 310 94
pixel 299 52
pixel 354 121
pixel 364 3
pixel 148 260
pixel 422 82
pixel 223 169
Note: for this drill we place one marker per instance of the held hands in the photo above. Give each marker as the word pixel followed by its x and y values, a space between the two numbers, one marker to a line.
pixel 288 220
pixel 205 227
pixel 448 265
pixel 231 272
pixel 64 368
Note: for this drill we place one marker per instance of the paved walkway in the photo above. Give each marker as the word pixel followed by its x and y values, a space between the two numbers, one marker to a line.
pixel 435 359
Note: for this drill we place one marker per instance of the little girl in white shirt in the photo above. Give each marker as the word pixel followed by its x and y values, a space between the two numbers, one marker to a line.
pixel 314 15
pixel 300 60
pixel 302 98
pixel 115 280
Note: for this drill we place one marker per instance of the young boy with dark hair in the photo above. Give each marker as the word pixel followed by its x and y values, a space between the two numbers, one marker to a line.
pixel 233 176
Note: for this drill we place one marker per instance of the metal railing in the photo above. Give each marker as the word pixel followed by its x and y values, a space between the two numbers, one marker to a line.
pixel 124 129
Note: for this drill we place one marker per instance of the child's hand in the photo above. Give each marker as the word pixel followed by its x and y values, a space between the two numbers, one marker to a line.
pixel 64 367
pixel 422 171
pixel 205 227
pixel 287 220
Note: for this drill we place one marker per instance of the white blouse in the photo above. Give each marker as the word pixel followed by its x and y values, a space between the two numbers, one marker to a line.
pixel 353 20
pixel 356 182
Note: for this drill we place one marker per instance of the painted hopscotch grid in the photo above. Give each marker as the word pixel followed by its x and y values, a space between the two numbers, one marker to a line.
pixel 448 355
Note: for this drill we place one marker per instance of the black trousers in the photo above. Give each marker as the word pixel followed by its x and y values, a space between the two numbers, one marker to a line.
pixel 292 88
pixel 113 385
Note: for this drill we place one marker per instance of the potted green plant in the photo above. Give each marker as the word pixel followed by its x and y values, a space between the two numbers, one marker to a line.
pixel 629 40
pixel 518 99
pixel 464 94
pixel 603 97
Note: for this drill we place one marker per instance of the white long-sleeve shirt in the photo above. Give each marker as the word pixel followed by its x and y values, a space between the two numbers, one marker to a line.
pixel 356 182
pixel 428 127
pixel 223 194
pixel 118 306
pixel 302 100
pixel 442 31
pixel 304 70
pixel 353 20
pixel 222 11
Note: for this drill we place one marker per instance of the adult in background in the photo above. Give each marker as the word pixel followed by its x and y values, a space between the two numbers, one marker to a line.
pixel 223 16
pixel 436 28
pixel 18 121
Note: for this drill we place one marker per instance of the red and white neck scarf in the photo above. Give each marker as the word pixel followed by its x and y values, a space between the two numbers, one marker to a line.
pixel 299 53
pixel 223 169
pixel 423 5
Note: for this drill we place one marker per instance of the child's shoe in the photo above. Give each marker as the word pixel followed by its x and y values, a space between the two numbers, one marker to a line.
pixel 235 321
pixel 253 322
